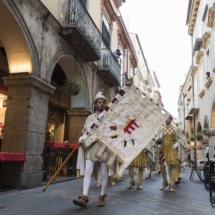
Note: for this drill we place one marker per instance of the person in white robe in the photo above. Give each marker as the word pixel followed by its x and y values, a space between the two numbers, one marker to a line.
pixel 87 157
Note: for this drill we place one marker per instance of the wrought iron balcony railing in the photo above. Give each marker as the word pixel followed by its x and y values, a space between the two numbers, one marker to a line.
pixel 79 30
pixel 109 68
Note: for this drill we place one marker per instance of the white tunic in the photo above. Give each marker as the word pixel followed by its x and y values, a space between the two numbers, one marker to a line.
pixel 90 152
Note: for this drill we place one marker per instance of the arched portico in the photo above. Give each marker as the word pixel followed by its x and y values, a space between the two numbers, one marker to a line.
pixel 212 121
pixel 27 98
pixel 77 108
pixel 16 40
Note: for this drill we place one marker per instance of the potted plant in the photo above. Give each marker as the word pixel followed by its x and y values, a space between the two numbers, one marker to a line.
pixel 205 130
pixel 199 136
pixel 188 142
pixel 73 85
pixel 192 138
pixel 205 137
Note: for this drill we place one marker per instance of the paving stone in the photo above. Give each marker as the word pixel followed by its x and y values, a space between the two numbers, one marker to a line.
pixel 189 198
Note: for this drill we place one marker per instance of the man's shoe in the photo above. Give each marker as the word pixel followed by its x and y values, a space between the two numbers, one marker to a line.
pixel 101 201
pixel 177 182
pixel 132 183
pixel 158 172
pixel 121 179
pixel 164 185
pixel 98 185
pixel 82 201
pixel 113 183
pixel 171 188
pixel 139 187
pixel 148 176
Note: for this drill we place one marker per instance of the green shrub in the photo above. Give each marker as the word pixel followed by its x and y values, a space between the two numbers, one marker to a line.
pixel 73 85
pixel 199 136
pixel 192 138
pixel 205 130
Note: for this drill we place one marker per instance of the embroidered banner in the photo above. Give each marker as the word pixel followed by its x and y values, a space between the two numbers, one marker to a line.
pixel 130 122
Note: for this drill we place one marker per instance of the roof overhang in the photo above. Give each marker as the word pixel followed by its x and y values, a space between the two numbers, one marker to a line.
pixel 110 10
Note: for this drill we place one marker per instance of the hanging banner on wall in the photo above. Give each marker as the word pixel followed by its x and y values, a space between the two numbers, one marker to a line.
pixel 130 122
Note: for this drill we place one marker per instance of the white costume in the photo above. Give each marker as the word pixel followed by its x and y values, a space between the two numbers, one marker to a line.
pixel 87 159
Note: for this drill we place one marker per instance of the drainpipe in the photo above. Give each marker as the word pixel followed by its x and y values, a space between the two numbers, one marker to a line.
pixel 93 90
pixel 184 112
pixel 127 62
pixel 193 102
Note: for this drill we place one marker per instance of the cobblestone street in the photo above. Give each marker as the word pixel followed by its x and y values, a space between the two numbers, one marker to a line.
pixel 189 198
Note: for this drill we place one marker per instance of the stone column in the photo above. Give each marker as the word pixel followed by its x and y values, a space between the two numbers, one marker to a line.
pixel 76 123
pixel 24 129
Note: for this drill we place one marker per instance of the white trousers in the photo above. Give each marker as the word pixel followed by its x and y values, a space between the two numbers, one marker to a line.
pixel 88 174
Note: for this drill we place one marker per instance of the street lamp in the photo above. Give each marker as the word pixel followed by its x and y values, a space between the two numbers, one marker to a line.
pixel 192 143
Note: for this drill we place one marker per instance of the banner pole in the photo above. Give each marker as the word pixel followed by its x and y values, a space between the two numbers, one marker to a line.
pixel 62 165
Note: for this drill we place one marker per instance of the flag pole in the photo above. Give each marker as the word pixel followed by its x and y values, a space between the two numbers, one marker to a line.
pixel 62 165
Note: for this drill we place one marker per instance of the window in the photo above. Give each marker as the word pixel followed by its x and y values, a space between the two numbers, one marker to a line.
pixel 201 78
pixel 208 61
pixel 121 64
pixel 106 31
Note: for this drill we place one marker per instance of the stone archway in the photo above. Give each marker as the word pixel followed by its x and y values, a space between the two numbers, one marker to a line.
pixel 206 122
pixel 25 118
pixel 16 40
pixel 77 110
pixel 213 116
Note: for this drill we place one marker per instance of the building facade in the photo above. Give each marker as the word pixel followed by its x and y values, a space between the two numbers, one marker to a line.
pixel 42 44
pixel 197 99
pixel 145 79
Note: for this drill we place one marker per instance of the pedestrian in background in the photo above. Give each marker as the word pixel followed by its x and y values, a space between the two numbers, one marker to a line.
pixel 188 159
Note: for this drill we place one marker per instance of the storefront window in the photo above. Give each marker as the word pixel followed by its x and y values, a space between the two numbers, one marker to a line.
pixel 3 99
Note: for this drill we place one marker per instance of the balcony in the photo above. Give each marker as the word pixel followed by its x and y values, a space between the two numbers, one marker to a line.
pixel 193 105
pixel 187 115
pixel 79 30
pixel 109 68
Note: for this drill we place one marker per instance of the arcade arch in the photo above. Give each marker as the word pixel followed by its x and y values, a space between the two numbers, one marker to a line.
pixel 213 115
pixel 16 41
pixel 60 103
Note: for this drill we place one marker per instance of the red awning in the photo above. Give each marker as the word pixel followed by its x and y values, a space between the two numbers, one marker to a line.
pixel 12 156
pixel 3 89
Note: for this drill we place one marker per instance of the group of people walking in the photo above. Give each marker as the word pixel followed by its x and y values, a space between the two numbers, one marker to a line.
pixel 166 151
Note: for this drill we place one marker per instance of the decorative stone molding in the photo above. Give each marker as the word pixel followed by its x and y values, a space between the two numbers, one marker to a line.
pixel 211 15
pixel 194 69
pixel 202 93
pixel 126 41
pixel 199 56
pixel 209 82
pixel 205 38
pixel 193 15
pixel 110 10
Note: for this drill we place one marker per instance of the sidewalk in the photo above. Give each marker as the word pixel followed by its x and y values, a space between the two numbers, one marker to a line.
pixel 189 198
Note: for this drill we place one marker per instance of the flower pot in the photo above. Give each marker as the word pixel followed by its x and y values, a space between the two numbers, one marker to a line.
pixel 205 139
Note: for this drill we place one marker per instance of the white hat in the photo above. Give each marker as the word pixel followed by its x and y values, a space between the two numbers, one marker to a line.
pixel 99 96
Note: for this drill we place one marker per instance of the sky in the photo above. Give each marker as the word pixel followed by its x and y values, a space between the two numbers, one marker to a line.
pixel 162 30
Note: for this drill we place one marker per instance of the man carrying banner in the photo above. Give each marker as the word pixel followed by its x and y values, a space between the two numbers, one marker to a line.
pixel 172 140
pixel 86 158
pixel 143 160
